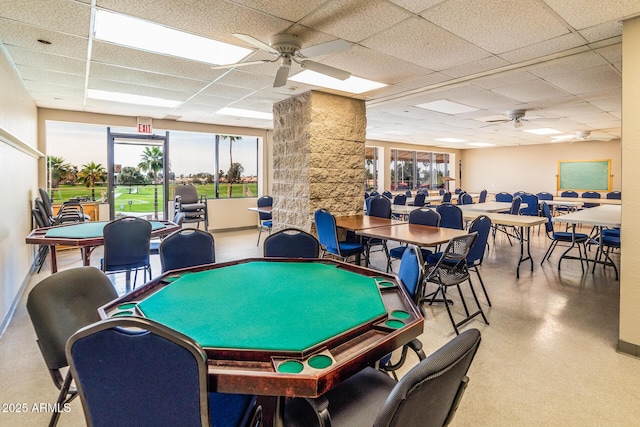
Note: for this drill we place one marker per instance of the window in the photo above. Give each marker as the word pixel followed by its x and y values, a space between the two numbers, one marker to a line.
pixel 371 169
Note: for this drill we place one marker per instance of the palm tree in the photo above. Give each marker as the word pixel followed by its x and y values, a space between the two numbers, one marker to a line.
pixel 58 170
pixel 152 161
pixel 230 174
pixel 90 174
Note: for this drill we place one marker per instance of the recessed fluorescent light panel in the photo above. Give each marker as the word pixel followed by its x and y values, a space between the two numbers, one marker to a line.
pixel 352 85
pixel 481 144
pixel 244 113
pixel 562 137
pixel 144 35
pixel 128 98
pixel 447 107
pixel 543 131
pixel 450 140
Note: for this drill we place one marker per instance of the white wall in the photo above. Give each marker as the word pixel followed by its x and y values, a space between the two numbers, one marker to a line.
pixel 532 168
pixel 18 184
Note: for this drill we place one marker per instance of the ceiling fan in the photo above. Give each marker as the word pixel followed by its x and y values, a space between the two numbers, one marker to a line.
pixel 586 135
pixel 287 48
pixel 517 117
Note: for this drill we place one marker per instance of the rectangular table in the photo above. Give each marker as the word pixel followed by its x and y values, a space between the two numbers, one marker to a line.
pixel 599 216
pixel 487 207
pixel 523 222
pixel 587 200
pixel 421 235
pixel 302 328
pixel 360 222
pixel 86 236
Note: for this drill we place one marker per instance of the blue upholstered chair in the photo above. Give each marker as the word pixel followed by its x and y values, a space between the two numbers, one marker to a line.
pixel 617 195
pixel 446 197
pixel 590 195
pixel 466 199
pixel 561 236
pixel 187 247
pixel 609 240
pixel 504 197
pixel 154 245
pixel 328 237
pixel 379 207
pixel 422 216
pixel 291 243
pixel 418 200
pixel 482 226
pixel 266 221
pixel 387 194
pixel 531 208
pixel 127 243
pixel 483 196
pixel 133 371
pixel 450 216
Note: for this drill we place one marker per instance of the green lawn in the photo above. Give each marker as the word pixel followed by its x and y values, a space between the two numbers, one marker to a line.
pixel 140 198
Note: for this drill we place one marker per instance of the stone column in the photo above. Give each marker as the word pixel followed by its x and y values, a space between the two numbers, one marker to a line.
pixel 318 158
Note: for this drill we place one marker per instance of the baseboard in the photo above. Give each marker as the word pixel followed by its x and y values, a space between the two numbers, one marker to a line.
pixel 628 348
pixel 7 319
pixel 224 230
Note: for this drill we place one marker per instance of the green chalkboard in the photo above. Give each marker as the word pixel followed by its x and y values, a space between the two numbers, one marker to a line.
pixel 584 175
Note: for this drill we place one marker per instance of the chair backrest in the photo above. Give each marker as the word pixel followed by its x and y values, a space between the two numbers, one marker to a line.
pixel 482 226
pixel 458 249
pixel 187 192
pixel 483 196
pixel 617 195
pixel 40 205
pixel 546 212
pixel 178 218
pixel 515 205
pixel 419 199
pixel 450 216
pixel 63 303
pixel 503 196
pixel 326 228
pixel 125 368
pixel 543 195
pixel 265 201
pixel 466 199
pixel 411 271
pixel 187 247
pixel 380 207
pixel 408 193
pixel 40 218
pixel 446 197
pixel 430 392
pixel 386 194
pixel 569 193
pixel 532 204
pixel 424 216
pixel 441 191
pixel 590 195
pixel 291 243
pixel 126 243
pixel 460 195
pixel 458 190
pixel 400 199
pixel 44 197
pixel 518 193
pixel 374 194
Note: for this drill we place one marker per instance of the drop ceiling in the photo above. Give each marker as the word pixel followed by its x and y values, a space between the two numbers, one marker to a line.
pixel 560 60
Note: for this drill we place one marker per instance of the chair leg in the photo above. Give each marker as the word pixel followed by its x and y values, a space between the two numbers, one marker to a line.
pixel 482 284
pixel 259 234
pixel 65 396
pixel 453 322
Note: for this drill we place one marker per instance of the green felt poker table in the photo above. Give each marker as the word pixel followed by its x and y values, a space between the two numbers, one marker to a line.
pixel 275 327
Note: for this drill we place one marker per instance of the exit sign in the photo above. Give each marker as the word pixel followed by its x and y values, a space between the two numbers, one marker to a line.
pixel 144 125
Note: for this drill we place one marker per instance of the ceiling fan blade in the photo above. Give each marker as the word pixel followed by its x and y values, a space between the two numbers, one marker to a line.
pixel 281 76
pixel 257 43
pixel 240 64
pixel 327 70
pixel 334 46
pixel 498 121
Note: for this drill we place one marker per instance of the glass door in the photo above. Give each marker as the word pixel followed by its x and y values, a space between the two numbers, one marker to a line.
pixel 137 171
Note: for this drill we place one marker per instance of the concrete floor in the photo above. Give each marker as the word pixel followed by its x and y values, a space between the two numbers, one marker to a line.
pixel 548 358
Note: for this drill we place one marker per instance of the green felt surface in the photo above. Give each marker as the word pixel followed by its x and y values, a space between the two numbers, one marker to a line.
pixel 266 305
pixel 87 230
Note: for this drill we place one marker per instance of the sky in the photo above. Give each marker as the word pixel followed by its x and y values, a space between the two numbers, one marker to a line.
pixel 190 152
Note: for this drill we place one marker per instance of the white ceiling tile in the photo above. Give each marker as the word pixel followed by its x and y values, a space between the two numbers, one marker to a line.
pixel 17 34
pixel 513 23
pixel 567 64
pixel 242 78
pixel 416 6
pixel 144 78
pixel 57 15
pixel 543 48
pixel 46 61
pixel 225 91
pixel 482 65
pixel 428 80
pixel 573 11
pixel 292 11
pixel 602 31
pixel 613 54
pixel 534 90
pixel 504 79
pixel 352 19
pixel 418 41
pixel 53 77
pixel 587 81
pixel 121 87
pixel 56 91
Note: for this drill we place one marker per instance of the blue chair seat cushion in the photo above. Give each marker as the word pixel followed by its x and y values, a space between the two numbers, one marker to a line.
pixel 613 241
pixel 267 224
pixel 565 236
pixel 398 251
pixel 611 232
pixel 350 248
pixel 229 409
